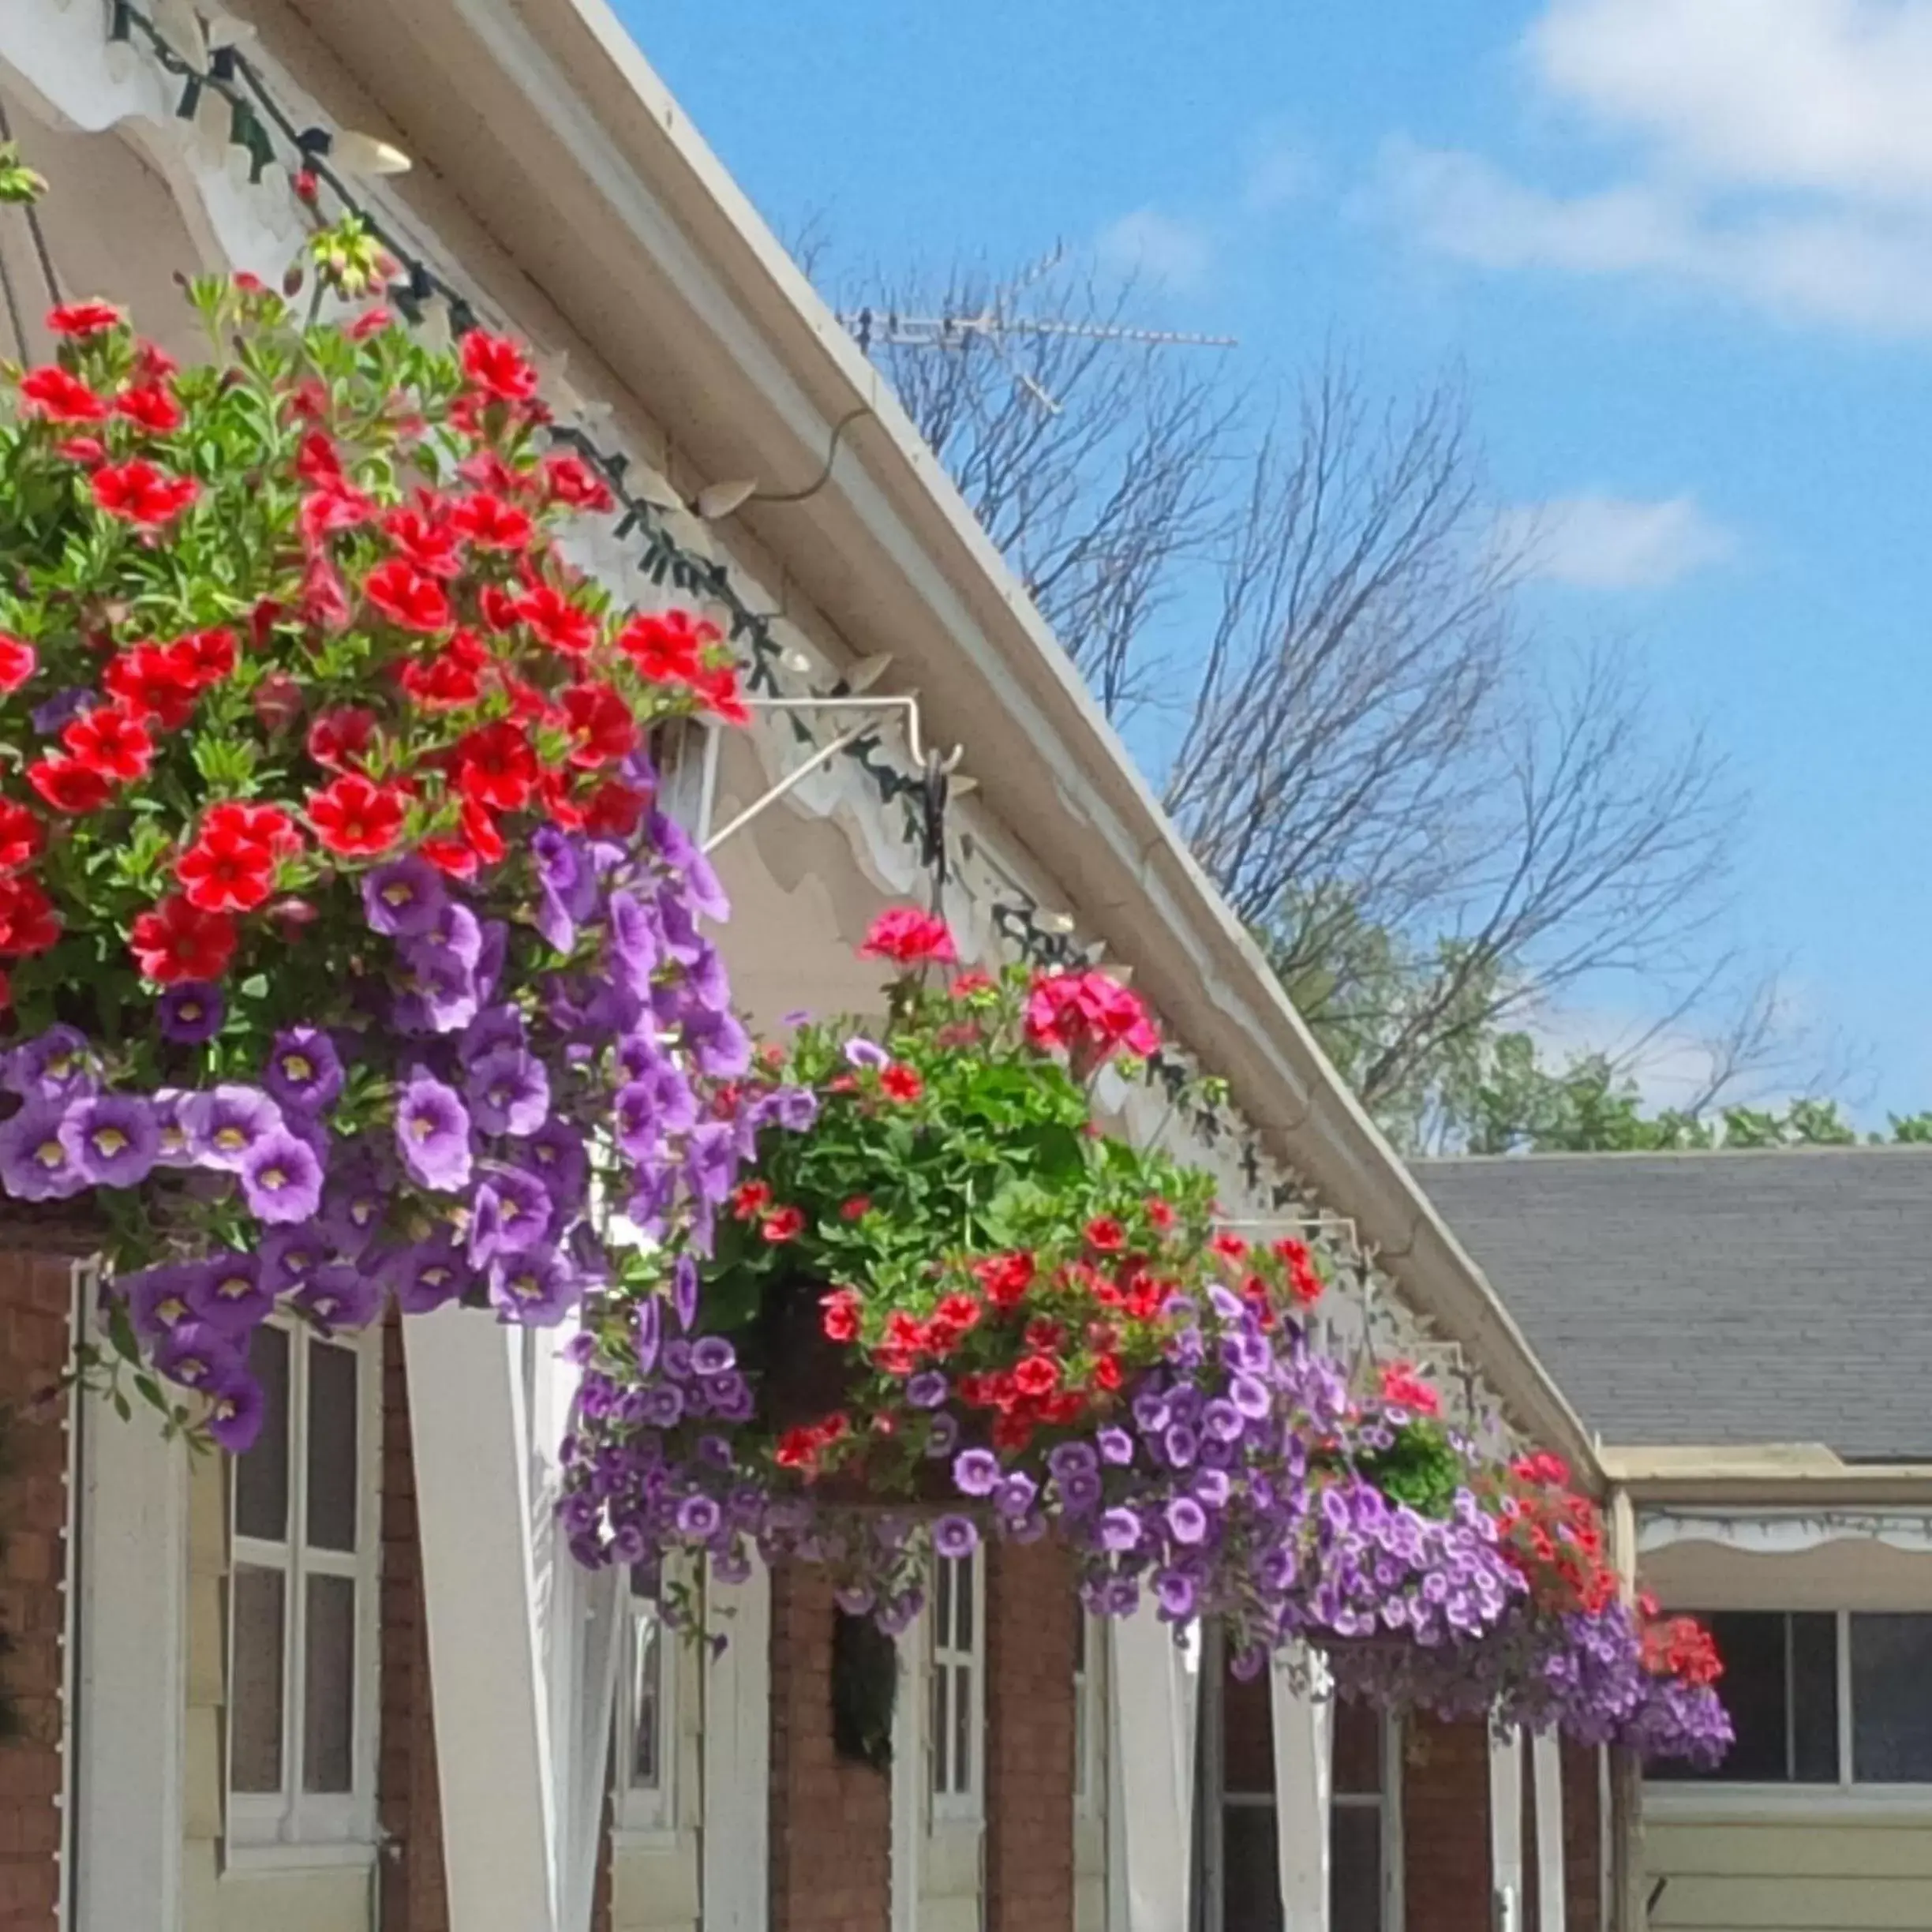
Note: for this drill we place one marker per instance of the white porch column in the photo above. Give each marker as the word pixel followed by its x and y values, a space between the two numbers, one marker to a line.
pixel 1506 1842
pixel 129 1676
pixel 1156 1687
pixel 1546 1769
pixel 522 1647
pixel 737 1754
pixel 1304 1728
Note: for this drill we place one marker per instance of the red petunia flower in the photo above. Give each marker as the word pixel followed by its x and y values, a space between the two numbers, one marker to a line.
pixel 142 493
pixel 498 366
pixel 722 698
pixel 60 396
pixel 909 936
pixel 902 1083
pixel 86 450
pixel 841 1320
pixel 425 539
pixel 84 318
pixel 266 826
pixel 356 817
pixel 601 726
pixel 570 481
pixel 153 407
pixel 668 646
pixel 491 524
pixel 207 656
pixel 856 1209
pixel 225 871
pixel 1092 1016
pixel 497 766
pixel 787 1224
pixel 111 740
pixel 556 621
pixel 446 682
pixel 1160 1215
pixel 175 941
pixel 150 681
pixel 408 598
pixel 22 835
pixel 1229 1246
pixel 338 738
pixel 615 810
pixel 29 922
pixel 68 785
pixel 1005 1278
pixel 316 459
pixel 1105 1235
pixel 333 508
pixel 750 1200
pixel 154 364
pixel 18 662
pixel 1402 1386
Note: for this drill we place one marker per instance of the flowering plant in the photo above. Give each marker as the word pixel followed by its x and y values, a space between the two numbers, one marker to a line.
pixel 343 943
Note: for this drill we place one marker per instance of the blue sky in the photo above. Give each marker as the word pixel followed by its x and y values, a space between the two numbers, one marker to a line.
pixel 1685 257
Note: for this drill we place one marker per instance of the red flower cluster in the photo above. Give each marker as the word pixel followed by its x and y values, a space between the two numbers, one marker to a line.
pixel 1679 1647
pixel 1402 1386
pixel 1555 1537
pixel 231 867
pixel 907 936
pixel 1090 1017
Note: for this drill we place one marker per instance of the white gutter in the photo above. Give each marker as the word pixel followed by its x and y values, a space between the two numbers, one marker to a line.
pixel 546 135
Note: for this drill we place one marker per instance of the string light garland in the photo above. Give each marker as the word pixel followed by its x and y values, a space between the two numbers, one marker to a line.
pixel 262 127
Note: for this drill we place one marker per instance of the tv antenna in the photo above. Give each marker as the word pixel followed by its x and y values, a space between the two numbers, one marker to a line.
pixel 996 325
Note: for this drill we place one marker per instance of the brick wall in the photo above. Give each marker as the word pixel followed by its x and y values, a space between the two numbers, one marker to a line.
pixel 1030 1614
pixel 1582 1842
pixel 414 1898
pixel 1446 1826
pixel 830 1819
pixel 35 1299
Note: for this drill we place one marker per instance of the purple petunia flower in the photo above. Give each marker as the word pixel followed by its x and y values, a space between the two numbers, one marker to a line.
pixel 340 1296
pixel 1187 1522
pixel 712 1356
pixel 439 988
pixel 224 1124
pixel 926 1389
pixel 229 1292
pixel 47 716
pixel 634 943
pixel 512 1214
pixel 190 1013
pixel 1014 1496
pixel 289 1256
pixel 718 1044
pixel 112 1139
pixel 509 1091
pixel 196 1355
pixel 53 1066
pixel 173 1150
pixel 157 1298
pixel 684 1291
pixel 1120 1530
pixel 650 1333
pixel 1176 1594
pixel 1116 1447
pixel 304 1072
pixel 433 1133
pixel 494 1027
pixel 235 1411
pixel 975 1472
pixel 635 1111
pixel 537 1289
pixel 942 1436
pixel 425 1276
pixel 35 1164
pixel 859 1052
pixel 282 1178
pixel 403 898
pixel 698 1516
pixel 555 1153
pixel 955 1536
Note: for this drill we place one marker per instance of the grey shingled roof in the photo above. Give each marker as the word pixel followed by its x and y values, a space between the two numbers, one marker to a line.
pixel 1717 1298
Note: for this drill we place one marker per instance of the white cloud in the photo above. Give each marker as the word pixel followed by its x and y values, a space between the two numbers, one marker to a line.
pixel 1614 543
pixel 1157 247
pixel 1780 155
pixel 1280 171
pixel 1672 1067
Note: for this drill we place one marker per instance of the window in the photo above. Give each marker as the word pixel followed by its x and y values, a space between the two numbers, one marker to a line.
pixel 302 1601
pixel 646 1726
pixel 1822 1698
pixel 1359 1856
pixel 957 1686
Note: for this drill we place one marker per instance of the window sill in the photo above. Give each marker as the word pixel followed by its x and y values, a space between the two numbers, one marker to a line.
pixel 263 1860
pixel 1746 1804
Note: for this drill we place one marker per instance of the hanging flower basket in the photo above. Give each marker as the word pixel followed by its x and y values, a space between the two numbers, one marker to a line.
pixel 347 954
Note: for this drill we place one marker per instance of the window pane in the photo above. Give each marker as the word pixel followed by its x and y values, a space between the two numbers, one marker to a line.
pixel 1892 1700
pixel 646 1757
pixel 328 1650
pixel 963 1603
pixel 1247 1734
pixel 1251 1882
pixel 1357 1748
pixel 261 1478
pixel 254 1601
pixel 942 1609
pixel 332 1420
pixel 1815 1696
pixel 1355 1868
pixel 1752 1644
pixel 941 1735
pixel 962 1729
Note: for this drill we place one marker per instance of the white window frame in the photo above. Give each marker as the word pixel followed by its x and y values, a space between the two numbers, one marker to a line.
pixel 1844 1797
pixel 1089 1713
pixel 944 1657
pixel 271 1826
pixel 647 1814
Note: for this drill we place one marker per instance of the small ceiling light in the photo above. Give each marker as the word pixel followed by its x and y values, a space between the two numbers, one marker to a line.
pixel 717 501
pixel 364 154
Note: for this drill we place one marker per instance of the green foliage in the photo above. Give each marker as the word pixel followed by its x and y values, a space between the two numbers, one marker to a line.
pixel 19 185
pixel 1421 1468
